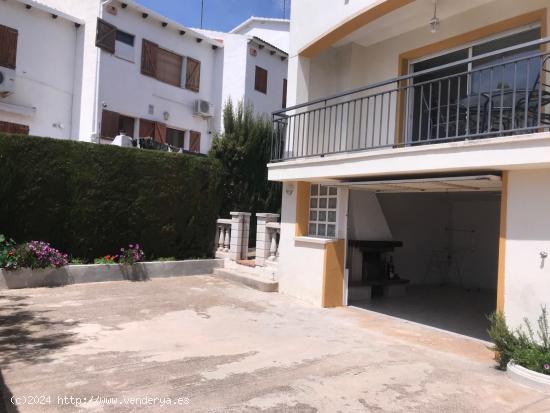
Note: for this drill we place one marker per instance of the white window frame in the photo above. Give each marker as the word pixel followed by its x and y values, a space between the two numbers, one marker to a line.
pixel 322 206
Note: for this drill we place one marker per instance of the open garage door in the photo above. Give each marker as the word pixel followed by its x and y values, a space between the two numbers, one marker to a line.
pixel 426 249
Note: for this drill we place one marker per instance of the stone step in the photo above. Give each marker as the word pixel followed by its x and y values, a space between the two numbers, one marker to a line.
pixel 248 279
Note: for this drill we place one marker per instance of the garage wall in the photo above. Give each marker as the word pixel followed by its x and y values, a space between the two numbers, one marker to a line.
pixel 527 276
pixel 420 221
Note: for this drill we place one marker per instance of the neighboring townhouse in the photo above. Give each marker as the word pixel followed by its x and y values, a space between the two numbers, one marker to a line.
pixel 128 68
pixel 39 62
pixel 255 63
pixel 415 159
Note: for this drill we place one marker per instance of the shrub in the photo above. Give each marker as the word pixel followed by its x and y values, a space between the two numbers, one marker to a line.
pixel 8 259
pixel 107 259
pixel 522 345
pixel 130 255
pixel 34 254
pixel 90 199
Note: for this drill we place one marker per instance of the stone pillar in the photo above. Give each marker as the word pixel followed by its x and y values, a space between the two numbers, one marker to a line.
pixel 240 228
pixel 263 237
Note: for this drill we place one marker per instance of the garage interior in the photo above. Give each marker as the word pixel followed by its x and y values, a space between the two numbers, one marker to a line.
pixel 426 250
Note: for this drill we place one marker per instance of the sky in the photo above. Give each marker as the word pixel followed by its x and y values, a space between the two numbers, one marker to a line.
pixel 220 15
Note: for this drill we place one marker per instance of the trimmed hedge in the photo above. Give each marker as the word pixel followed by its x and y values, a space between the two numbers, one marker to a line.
pixel 90 200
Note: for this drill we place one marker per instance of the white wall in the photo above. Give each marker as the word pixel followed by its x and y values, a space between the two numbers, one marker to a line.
pixel 45 68
pixel 527 277
pixel 300 264
pixel 435 224
pixel 276 72
pixel 125 90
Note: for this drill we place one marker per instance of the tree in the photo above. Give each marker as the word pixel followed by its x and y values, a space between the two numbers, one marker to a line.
pixel 244 151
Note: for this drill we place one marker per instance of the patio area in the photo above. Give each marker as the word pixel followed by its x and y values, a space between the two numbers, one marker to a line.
pixel 211 345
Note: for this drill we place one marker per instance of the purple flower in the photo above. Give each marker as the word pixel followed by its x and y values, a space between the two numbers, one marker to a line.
pixel 547 366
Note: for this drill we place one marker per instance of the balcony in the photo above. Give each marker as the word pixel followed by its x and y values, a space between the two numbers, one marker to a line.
pixel 501 93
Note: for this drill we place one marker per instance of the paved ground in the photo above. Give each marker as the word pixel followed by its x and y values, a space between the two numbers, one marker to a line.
pixel 221 347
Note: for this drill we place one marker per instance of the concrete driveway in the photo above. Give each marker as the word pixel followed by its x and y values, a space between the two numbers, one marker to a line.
pixel 203 344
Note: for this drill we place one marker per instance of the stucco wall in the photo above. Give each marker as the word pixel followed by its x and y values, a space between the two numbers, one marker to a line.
pixel 44 70
pixel 527 276
pixel 125 90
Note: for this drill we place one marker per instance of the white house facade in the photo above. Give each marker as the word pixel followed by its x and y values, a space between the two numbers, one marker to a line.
pixel 415 159
pixel 255 63
pixel 39 82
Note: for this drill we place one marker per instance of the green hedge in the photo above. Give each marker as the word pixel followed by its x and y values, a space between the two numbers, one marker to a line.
pixel 90 200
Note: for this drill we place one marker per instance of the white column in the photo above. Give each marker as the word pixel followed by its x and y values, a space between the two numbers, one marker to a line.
pixel 263 239
pixel 240 227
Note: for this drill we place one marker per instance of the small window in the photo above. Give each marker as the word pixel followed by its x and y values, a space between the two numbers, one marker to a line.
pixel 194 141
pixel 8 47
pixel 125 38
pixel 322 211
pixel 175 137
pixel 260 82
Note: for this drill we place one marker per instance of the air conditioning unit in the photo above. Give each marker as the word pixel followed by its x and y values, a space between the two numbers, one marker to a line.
pixel 7 82
pixel 203 108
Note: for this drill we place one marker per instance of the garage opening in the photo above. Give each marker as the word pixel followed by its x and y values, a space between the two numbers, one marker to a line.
pixel 426 250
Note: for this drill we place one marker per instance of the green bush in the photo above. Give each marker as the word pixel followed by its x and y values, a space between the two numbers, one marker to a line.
pixel 90 200
pixel 522 345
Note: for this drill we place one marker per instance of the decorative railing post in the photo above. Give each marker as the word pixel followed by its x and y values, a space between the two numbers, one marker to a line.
pixel 224 237
pixel 265 237
pixel 240 228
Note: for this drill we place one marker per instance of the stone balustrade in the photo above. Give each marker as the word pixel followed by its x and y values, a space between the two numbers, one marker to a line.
pixel 223 238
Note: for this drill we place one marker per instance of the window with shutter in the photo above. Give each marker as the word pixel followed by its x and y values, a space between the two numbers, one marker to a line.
pixel 9 127
pixel 146 128
pixel 105 36
pixel 160 132
pixel 260 81
pixel 8 47
pixel 284 94
pixel 175 137
pixel 193 75
pixel 169 67
pixel 194 141
pixel 126 124
pixel 149 52
pixel 109 124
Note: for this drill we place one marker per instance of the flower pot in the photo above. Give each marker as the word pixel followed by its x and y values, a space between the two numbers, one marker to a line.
pixel 528 377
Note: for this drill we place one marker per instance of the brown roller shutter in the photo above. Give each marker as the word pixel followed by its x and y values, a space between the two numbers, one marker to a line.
pixel 169 67
pixel 109 124
pixel 8 47
pixel 194 141
pixel 193 75
pixel 149 55
pixel 9 127
pixel 105 36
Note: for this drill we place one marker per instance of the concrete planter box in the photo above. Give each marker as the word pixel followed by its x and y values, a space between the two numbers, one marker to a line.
pixel 78 274
pixel 528 377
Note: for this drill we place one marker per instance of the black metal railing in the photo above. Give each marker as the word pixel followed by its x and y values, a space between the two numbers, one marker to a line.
pixel 505 92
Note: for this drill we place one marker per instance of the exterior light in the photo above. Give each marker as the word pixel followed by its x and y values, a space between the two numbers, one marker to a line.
pixel 434 22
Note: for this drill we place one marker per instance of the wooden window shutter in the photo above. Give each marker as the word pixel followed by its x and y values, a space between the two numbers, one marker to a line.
pixel 105 36
pixel 169 67
pixel 260 81
pixel 194 141
pixel 284 93
pixel 160 132
pixel 9 127
pixel 193 75
pixel 109 124
pixel 149 52
pixel 146 128
pixel 8 47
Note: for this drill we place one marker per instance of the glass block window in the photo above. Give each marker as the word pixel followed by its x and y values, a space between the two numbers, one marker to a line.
pixel 322 211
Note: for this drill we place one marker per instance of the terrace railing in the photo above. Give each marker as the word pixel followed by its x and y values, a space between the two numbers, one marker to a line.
pixel 505 92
